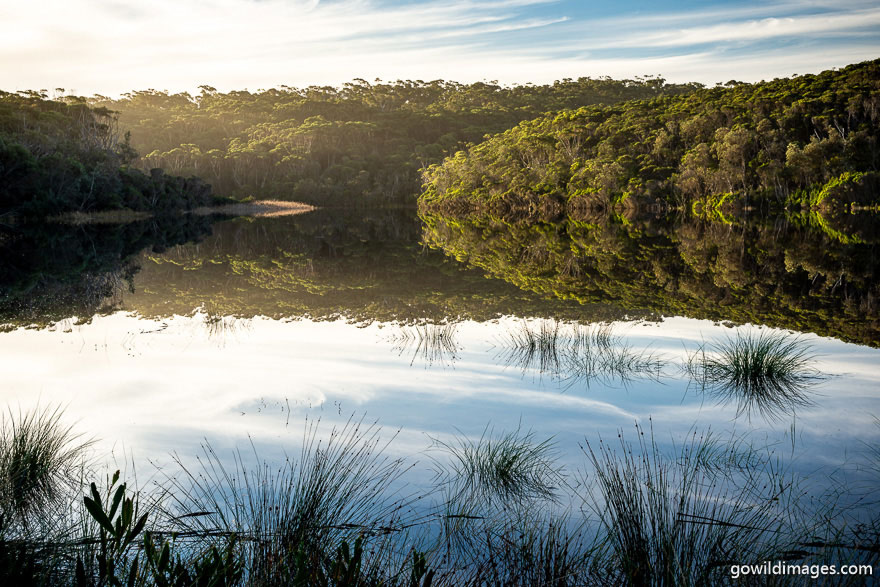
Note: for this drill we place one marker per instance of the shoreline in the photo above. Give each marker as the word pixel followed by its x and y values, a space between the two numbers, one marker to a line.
pixel 256 209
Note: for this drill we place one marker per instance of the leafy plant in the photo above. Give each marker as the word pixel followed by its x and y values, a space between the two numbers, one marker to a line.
pixel 119 525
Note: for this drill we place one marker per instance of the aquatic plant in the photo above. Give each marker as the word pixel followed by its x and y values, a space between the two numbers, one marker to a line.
pixel 526 546
pixel 577 354
pixel 512 467
pixel 218 325
pixel 534 347
pixel 40 460
pixel 765 371
pixel 682 521
pixel 499 515
pixel 433 343
pixel 336 491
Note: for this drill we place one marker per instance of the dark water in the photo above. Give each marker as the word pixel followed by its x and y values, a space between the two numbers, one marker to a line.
pixel 158 335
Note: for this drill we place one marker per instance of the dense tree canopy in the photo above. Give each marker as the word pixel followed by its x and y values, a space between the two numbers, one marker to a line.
pixel 363 143
pixel 775 143
pixel 65 155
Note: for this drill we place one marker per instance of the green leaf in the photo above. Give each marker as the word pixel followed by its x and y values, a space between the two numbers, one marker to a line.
pixel 120 491
pixel 97 512
pixel 132 574
pixel 132 534
pixel 95 495
pixel 164 557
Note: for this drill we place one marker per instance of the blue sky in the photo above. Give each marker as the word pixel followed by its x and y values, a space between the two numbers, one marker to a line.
pixel 113 46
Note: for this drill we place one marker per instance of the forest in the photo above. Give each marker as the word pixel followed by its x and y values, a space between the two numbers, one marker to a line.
pixel 64 155
pixel 798 142
pixel 361 144
pixel 586 142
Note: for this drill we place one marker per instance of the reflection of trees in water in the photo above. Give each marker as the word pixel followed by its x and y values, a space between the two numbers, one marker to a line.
pixel 770 373
pixel 792 272
pixel 433 344
pixel 364 266
pixel 52 272
pixel 576 354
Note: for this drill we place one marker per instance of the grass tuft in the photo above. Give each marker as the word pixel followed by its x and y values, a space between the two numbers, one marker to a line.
pixel 578 355
pixel 511 468
pixel 763 371
pixel 682 521
pixel 292 514
pixel 432 343
pixel 40 460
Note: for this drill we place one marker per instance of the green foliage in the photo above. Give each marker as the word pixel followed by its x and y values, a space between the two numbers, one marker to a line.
pixel 64 155
pixel 118 528
pixel 761 143
pixel 219 566
pixel 358 144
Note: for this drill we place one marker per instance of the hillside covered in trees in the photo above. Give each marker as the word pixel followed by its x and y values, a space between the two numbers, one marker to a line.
pixel 361 144
pixel 64 155
pixel 803 141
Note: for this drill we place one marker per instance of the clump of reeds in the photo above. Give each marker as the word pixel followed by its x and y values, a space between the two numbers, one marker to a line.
pixel 40 461
pixel 765 371
pixel 513 467
pixel 294 514
pixel 526 547
pixel 577 354
pixel 534 347
pixel 597 354
pixel 432 343
pixel 684 520
pixel 218 325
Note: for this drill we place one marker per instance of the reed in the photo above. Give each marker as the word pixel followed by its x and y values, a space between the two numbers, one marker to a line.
pixel 41 465
pixel 498 515
pixel 41 459
pixel 684 520
pixel 512 467
pixel 577 355
pixel 433 344
pixel 292 515
pixel 763 371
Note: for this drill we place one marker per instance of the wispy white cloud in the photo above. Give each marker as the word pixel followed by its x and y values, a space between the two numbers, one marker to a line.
pixel 756 30
pixel 112 46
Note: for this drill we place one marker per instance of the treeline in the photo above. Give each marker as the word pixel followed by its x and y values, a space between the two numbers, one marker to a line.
pixel 769 144
pixel 363 143
pixel 65 155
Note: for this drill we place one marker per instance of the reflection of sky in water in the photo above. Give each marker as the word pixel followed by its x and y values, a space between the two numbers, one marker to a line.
pixel 148 388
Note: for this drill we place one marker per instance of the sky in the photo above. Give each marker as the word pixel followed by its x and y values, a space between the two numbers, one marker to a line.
pixel 110 47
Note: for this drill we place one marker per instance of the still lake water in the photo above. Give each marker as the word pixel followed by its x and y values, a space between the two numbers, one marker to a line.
pixel 259 324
